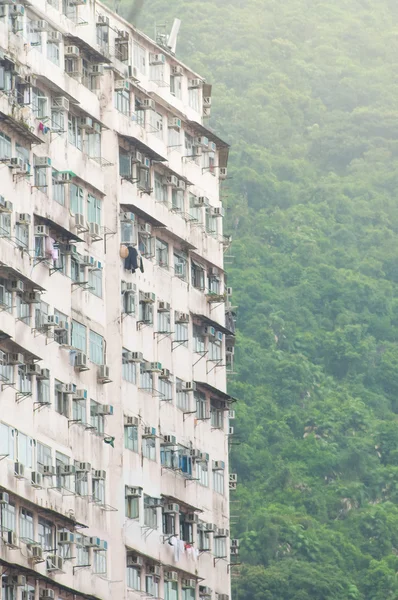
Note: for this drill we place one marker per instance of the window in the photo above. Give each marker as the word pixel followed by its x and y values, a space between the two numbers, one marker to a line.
pixel 182 396
pixel 81 482
pixel 170 590
pixel 162 253
pixel 5 224
pixel 156 74
pixel 40 175
pixel 144 179
pixel 77 270
pixel 217 417
pixel 8 517
pixel 22 235
pixel 5 146
pixel 94 145
pixel 194 99
pixel 213 284
pixel 79 336
pixel 44 457
pixel 96 348
pixel 7 441
pixel 61 400
pixel 164 322
pixel 165 390
pixel 194 210
pixel 152 586
pixel 100 562
pixel 201 405
pixel 128 233
pixel 150 513
pixel 76 199
pixel 197 276
pixel 24 383
pixel 168 523
pixel 63 481
pixel 174 138
pixel 57 122
pixel 203 540
pixel 5 77
pixel 125 167
pixel 129 371
pixel 145 313
pixel 198 339
pixel 45 534
pixel 9 590
pixel 133 577
pixel 97 421
pixel 156 124
pixel 74 132
pixel 209 161
pixel 94 209
pixel 139 57
pixel 215 352
pixel 39 104
pixel 103 35
pixel 131 437
pixel 146 379
pixel 220 547
pixel 53 52
pixel 26 530
pixel 161 189
pixel 58 189
pixel 122 101
pixel 25 450
pixel 95 282
pixel 186 529
pixel 23 310
pixel 132 506
pixel 128 302
pixel 211 222
pixel 149 448
pixel 181 333
pixel 189 144
pixel 185 461
pixel 79 411
pixel 145 245
pixel 176 86
pixel 188 594
pixel 23 153
pixel 218 481
pixel 61 337
pixel 169 457
pixel 177 200
pixel 99 490
pixel 82 552
pixel 5 302
pixel 202 474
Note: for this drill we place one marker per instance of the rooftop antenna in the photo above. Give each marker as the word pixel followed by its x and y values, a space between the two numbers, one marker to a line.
pixel 172 41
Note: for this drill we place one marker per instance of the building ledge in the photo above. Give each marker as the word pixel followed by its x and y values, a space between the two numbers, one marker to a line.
pixel 61 231
pixel 20 127
pixel 94 54
pixel 6 271
pixel 207 321
pixel 8 345
pixel 215 391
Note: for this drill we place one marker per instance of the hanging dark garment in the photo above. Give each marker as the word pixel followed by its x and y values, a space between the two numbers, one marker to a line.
pixel 131 261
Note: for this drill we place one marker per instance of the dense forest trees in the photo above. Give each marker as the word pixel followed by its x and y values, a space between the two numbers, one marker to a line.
pixel 306 91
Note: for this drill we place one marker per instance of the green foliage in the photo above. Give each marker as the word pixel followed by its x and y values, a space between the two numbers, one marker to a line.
pixel 306 92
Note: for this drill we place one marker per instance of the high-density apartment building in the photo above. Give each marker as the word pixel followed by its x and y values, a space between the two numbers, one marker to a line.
pixel 116 328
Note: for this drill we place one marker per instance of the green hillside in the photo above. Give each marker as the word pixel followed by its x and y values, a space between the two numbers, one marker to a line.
pixel 306 91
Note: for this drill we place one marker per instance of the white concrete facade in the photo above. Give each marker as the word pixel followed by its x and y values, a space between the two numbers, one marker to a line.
pixel 114 415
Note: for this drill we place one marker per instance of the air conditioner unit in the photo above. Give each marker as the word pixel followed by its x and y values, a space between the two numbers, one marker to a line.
pixel 15 358
pixel 171 180
pixel 122 35
pixel 231 414
pixel 99 474
pixel 212 147
pixel 163 306
pixel 103 20
pixel 218 211
pixel 36 552
pixel 230 431
pixel 23 218
pixel 137 357
pixel 209 331
pixel 201 201
pixel 153 367
pixel 81 360
pixel 177 71
pixel 147 103
pixel 188 583
pixel 10 538
pixel 219 336
pixel 149 432
pixel 85 123
pixel 72 51
pixel 19 580
pixel 204 590
pixel 233 477
pixel 46 594
pixel 171 509
pixel 122 84
pixel 80 395
pixel 19 470
pixel 17 10
pixel 42 231
pixel 148 297
pixel 42 162
pixel 192 518
pixel 54 562
pixel 16 163
pixel 194 84
pixel 66 537
pixel 145 229
pixel 32 297
pixel 230 349
pixel 55 37
pixel 51 320
pixel 181 317
pixel 97 69
pixel 80 220
pixel 174 123
pixel 4 498
pixel 103 373
pixel 189 386
pixel 70 388
pixel 157 59
pixel 94 229
pixel 39 26
pixel 202 141
pixel 171 576
pixel 105 410
pixel 222 533
pixel 82 467
pixel 165 374
pixel 92 542
pixel 49 471
pixel 134 561
pixel 218 465
pixel 222 173
pixel 131 421
pixel 133 492
pixel 5 205
pixel 36 479
pixel 127 217
pixel 59 103
pixel 204 457
pixel 210 527
pixel 181 185
pixel 33 369
pixel 66 470
pixel 169 440
pixel 154 570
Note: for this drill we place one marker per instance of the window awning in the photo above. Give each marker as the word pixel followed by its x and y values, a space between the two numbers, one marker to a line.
pixel 185 245
pixel 215 392
pixel 206 321
pixel 9 272
pixel 55 88
pixel 172 499
pixel 142 214
pixel 139 145
pixel 61 231
pixel 93 54
pixel 202 130
pixel 21 128
pixel 8 345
